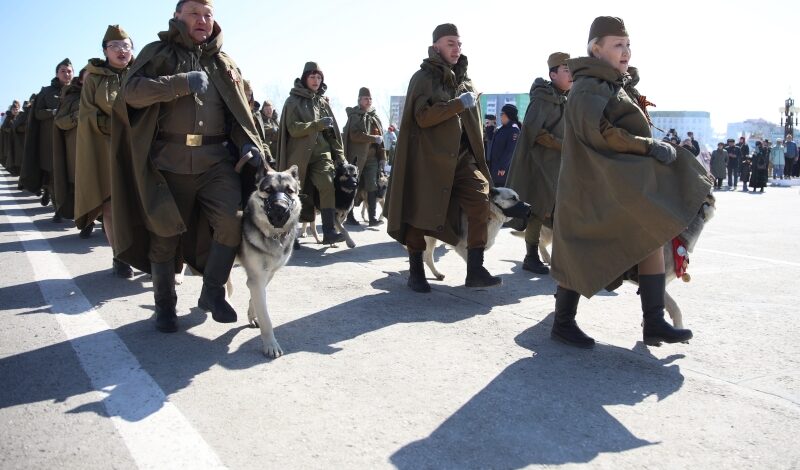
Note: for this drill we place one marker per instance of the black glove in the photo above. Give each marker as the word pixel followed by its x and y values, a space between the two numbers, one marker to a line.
pixel 327 122
pixel 663 152
pixel 256 159
pixel 198 82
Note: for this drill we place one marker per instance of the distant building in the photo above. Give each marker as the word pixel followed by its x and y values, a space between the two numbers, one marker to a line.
pixel 698 122
pixel 755 129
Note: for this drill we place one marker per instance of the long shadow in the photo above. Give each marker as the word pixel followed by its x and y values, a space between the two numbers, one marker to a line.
pixel 316 255
pixel 548 409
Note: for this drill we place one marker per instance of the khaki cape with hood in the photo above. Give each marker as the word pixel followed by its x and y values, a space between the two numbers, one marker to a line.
pixel 614 204
pixel 537 157
pixel 65 139
pixel 428 150
pixel 39 137
pixel 6 140
pixel 93 173
pixel 141 200
pixel 363 124
pixel 20 129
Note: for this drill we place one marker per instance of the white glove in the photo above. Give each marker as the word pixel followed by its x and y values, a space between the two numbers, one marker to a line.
pixel 378 139
pixel 469 99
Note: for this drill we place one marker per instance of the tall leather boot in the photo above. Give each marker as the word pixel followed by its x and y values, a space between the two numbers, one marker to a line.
pixel 218 269
pixel 532 262
pixel 351 219
pixel 416 273
pixel 656 329
pixel 329 233
pixel 565 329
pixel 372 203
pixel 477 275
pixel 165 296
pixel 121 269
pixel 45 201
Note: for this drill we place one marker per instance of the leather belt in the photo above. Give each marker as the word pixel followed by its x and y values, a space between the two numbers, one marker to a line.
pixel 192 140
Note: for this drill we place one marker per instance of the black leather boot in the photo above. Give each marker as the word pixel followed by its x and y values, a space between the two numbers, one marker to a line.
pixel 416 273
pixel 477 275
pixel 121 269
pixel 165 296
pixel 565 329
pixel 45 197
pixel 532 262
pixel 372 203
pixel 212 297
pixel 86 232
pixel 57 219
pixel 351 219
pixel 329 233
pixel 655 328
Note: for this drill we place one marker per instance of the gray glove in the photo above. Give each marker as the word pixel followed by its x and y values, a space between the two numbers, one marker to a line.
pixel 663 152
pixel 198 82
pixel 468 99
pixel 327 122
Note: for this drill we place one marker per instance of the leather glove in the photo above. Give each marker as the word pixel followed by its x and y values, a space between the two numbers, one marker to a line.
pixel 469 99
pixel 326 122
pixel 663 152
pixel 254 158
pixel 198 82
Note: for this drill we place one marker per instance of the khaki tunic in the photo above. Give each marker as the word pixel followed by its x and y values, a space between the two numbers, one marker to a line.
pixel 65 143
pixel 435 129
pixel 615 205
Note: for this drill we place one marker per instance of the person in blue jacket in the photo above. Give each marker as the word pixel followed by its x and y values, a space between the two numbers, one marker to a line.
pixel 503 144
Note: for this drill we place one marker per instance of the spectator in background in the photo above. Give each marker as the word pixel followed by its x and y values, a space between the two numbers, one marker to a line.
pixel 489 128
pixel 503 144
pixel 744 149
pixel 734 162
pixel 760 171
pixel 790 156
pixel 695 145
pixel 390 143
pixel 776 158
pixel 744 170
pixel 719 162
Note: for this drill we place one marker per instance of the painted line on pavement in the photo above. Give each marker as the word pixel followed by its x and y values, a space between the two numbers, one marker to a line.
pixel 755 258
pixel 156 433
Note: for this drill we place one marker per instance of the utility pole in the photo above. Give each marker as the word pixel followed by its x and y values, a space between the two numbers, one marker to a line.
pixel 789 117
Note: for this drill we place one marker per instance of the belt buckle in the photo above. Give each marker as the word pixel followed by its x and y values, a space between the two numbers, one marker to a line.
pixel 194 140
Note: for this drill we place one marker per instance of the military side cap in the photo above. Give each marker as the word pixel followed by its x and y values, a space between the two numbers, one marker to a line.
pixel 209 3
pixel 115 33
pixel 556 59
pixel 364 91
pixel 447 29
pixel 66 62
pixel 603 26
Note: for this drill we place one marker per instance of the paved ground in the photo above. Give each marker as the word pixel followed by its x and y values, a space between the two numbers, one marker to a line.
pixel 378 377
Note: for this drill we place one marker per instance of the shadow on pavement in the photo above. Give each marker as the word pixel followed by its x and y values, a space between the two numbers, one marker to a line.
pixel 548 409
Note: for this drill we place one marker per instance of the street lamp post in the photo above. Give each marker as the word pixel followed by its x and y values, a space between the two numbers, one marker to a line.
pixel 789 117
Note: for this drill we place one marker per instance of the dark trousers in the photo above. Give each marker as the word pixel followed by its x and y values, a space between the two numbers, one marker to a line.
pixel 718 184
pixel 733 176
pixel 471 192
pixel 217 193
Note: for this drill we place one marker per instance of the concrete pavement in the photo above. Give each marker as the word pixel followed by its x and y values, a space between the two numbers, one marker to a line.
pixel 375 376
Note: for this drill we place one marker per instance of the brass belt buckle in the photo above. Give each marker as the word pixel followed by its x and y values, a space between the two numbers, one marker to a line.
pixel 194 140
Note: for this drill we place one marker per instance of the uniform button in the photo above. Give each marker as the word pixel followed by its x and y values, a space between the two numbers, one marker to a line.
pixel 200 123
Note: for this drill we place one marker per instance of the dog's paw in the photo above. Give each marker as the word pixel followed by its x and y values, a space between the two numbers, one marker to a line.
pixel 351 244
pixel 272 349
pixel 439 277
pixel 179 278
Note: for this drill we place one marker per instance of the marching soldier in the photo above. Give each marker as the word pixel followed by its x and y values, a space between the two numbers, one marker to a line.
pixel 364 147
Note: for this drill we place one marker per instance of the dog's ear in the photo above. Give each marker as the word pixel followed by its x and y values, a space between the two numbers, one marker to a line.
pixel 294 172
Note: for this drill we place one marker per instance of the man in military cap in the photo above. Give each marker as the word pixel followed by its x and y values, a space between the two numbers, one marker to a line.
pixel 363 146
pixel 537 157
pixel 181 129
pixel 269 116
pixel 37 168
pixel 440 169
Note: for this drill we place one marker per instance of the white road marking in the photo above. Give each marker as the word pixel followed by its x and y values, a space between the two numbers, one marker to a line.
pixel 755 258
pixel 154 430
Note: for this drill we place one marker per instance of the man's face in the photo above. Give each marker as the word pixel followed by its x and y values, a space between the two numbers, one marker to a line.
pixel 119 53
pixel 741 140
pixel 449 48
pixel 365 102
pixel 690 135
pixel 491 123
pixel 267 110
pixel 15 109
pixel 314 81
pixel 64 74
pixel 199 20
pixel 562 79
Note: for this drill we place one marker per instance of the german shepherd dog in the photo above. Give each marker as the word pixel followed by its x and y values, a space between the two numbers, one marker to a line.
pixel 688 237
pixel 269 228
pixel 383 184
pixel 504 205
pixel 345 185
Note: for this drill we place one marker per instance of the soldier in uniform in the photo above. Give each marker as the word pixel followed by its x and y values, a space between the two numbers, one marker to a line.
pixel 65 144
pixel 363 138
pixel 537 157
pixel 440 169
pixel 310 139
pixel 37 167
pixel 19 131
pixel 269 116
pixel 181 129
pixel 93 176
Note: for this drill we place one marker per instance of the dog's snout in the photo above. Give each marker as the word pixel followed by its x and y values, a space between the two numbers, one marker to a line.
pixel 278 209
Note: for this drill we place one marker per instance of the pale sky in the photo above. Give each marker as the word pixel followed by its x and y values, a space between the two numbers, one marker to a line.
pixel 727 58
